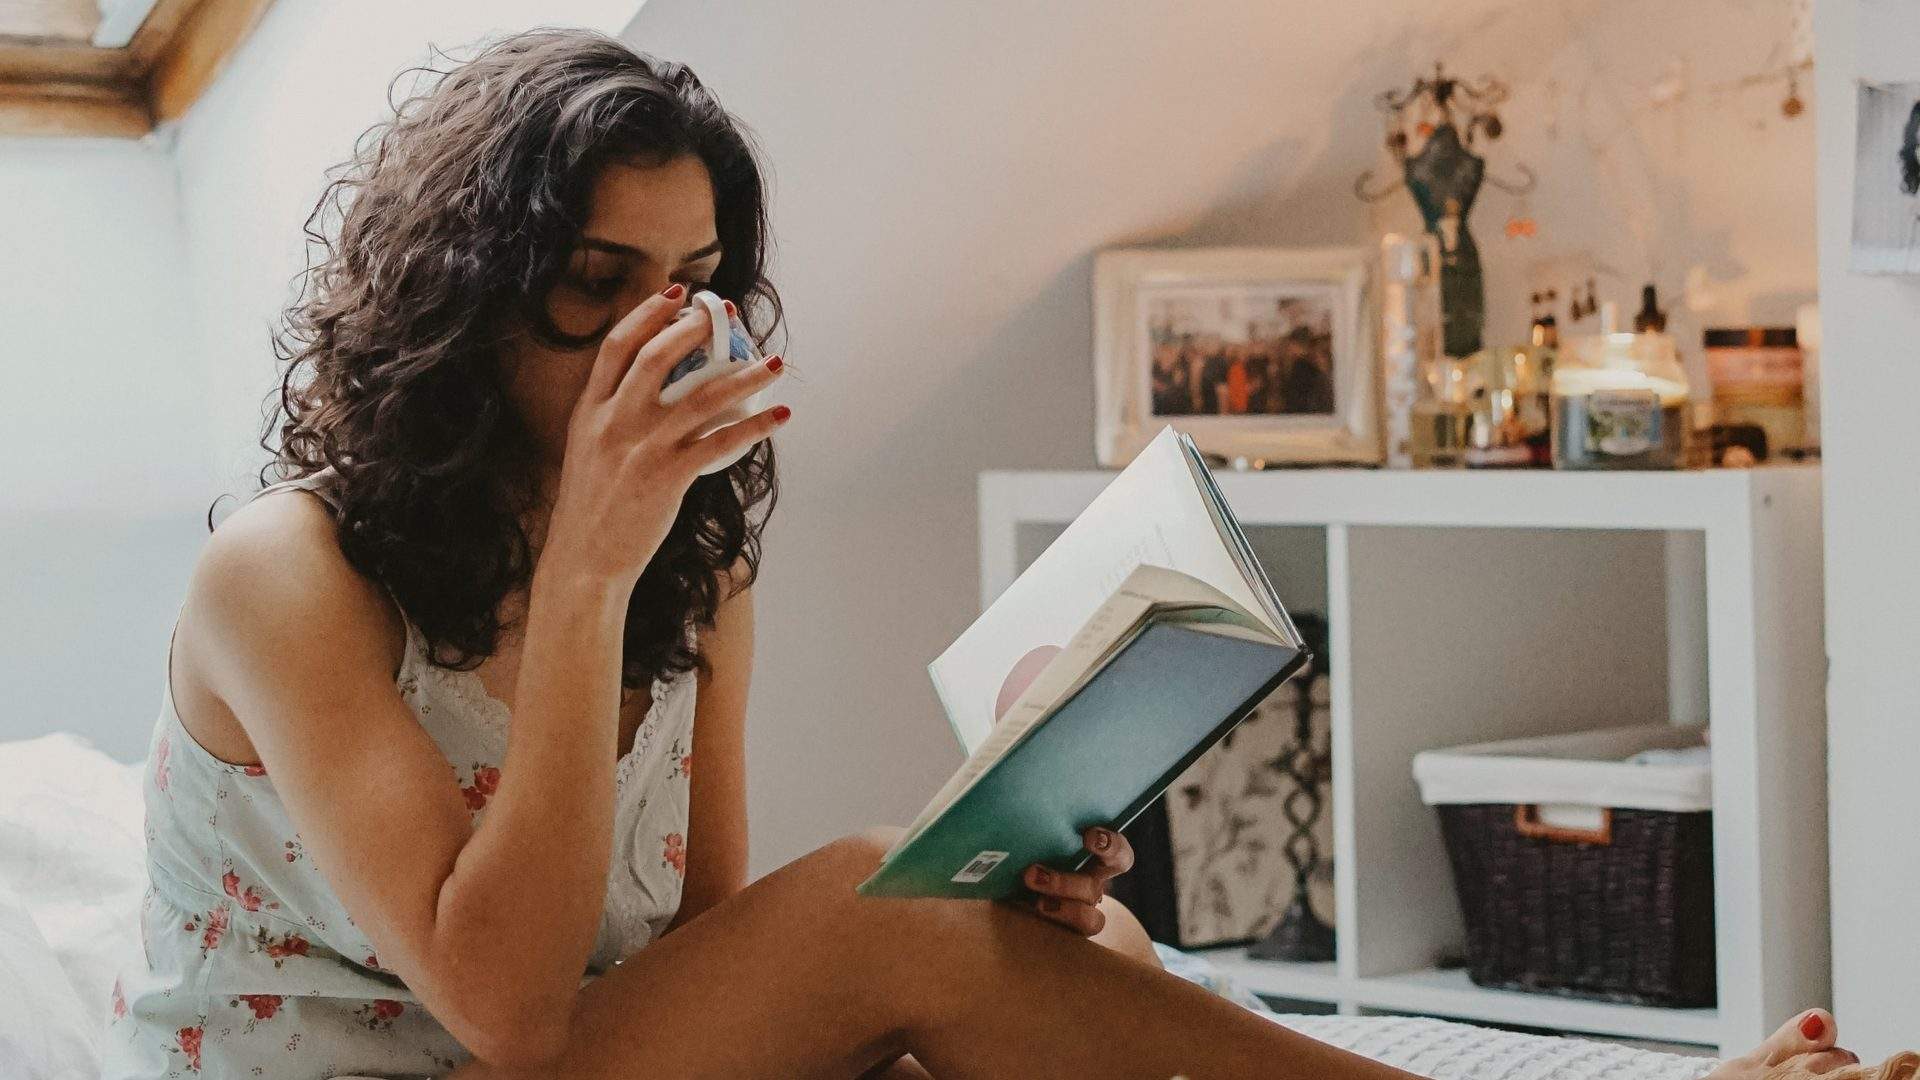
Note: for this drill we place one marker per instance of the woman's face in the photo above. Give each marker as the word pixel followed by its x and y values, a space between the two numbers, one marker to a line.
pixel 647 227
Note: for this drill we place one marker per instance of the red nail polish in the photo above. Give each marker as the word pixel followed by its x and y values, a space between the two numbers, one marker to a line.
pixel 730 308
pixel 1813 1027
pixel 774 363
pixel 674 291
pixel 780 414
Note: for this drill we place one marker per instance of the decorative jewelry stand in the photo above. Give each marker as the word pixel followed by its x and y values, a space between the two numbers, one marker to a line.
pixel 1432 129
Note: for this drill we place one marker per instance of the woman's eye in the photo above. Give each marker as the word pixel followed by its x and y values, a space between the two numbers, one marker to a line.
pixel 602 288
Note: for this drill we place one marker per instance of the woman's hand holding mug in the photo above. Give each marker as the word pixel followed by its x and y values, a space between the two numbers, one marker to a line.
pixel 631 456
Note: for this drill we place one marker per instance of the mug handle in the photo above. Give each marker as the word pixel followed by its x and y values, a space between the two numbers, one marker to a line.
pixel 720 349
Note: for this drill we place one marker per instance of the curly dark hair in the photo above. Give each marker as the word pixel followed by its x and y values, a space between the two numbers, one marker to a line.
pixel 442 236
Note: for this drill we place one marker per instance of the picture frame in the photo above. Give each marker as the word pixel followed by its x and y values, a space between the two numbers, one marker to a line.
pixel 1886 179
pixel 1263 355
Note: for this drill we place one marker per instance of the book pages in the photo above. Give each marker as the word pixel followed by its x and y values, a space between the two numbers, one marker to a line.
pixel 1154 512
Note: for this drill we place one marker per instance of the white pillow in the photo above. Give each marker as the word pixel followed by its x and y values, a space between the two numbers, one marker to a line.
pixel 45 1034
pixel 73 848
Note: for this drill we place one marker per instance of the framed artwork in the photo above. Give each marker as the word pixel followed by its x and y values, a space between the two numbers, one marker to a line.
pixel 1263 354
pixel 1886 179
pixel 1228 827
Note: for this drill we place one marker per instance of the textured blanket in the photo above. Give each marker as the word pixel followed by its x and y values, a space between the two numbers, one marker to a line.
pixel 1447 1051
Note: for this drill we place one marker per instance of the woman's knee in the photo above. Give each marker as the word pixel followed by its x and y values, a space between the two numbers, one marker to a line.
pixel 1124 934
pixel 857 855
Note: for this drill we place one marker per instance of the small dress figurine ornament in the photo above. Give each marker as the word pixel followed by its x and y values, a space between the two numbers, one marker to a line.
pixel 1439 168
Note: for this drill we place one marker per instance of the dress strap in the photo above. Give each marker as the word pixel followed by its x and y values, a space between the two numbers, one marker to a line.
pixel 315 482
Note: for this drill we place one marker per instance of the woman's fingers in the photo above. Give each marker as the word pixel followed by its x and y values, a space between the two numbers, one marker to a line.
pixel 729 440
pixel 647 375
pixel 623 342
pixel 1083 919
pixel 1065 885
pixel 1112 854
pixel 1072 898
pixel 693 414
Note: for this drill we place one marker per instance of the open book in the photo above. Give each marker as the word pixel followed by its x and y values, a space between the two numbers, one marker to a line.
pixel 1135 642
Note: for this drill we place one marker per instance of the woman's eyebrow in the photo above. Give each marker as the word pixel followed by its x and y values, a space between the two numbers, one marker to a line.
pixel 598 243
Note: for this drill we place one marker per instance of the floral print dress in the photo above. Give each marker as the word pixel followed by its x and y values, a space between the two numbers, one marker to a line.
pixel 251 966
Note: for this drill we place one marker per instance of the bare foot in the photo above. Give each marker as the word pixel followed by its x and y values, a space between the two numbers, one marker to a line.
pixel 1805 1047
pixel 1900 1066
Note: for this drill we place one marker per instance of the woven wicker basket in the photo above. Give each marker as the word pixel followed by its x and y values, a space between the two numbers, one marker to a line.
pixel 1619 908
pixel 1628 920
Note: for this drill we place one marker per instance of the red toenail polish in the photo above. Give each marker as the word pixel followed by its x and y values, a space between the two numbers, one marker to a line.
pixel 1813 1027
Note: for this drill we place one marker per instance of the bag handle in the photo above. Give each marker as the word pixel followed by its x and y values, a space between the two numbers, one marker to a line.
pixel 1526 821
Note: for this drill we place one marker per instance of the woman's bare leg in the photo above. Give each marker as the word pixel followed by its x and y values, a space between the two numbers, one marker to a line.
pixel 1123 934
pixel 799 977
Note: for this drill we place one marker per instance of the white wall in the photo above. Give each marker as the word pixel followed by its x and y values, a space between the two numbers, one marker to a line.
pixel 103 464
pixel 1872 379
pixel 253 151
pixel 944 172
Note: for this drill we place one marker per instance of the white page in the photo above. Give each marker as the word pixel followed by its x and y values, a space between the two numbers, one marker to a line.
pixel 1153 513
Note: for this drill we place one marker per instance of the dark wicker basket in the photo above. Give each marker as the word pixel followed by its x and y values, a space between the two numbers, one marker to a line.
pixel 1624 914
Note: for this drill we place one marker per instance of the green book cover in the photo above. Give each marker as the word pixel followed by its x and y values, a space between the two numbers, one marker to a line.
pixel 1098 758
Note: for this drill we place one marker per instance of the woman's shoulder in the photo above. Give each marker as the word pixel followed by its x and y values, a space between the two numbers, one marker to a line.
pixel 274 567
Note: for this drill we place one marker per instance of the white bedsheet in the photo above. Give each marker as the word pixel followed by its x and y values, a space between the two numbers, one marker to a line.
pixel 71 874
pixel 71 847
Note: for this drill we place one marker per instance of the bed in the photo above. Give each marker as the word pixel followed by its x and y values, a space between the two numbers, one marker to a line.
pixel 71 876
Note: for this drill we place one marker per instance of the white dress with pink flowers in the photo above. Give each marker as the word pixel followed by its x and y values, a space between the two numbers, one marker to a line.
pixel 252 967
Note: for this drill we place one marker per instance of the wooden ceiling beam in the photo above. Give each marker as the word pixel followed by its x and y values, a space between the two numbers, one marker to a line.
pixel 24 59
pixel 83 90
pixel 61 20
pixel 194 54
pixel 72 109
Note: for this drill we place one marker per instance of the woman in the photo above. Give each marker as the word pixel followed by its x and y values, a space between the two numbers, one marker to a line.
pixel 360 867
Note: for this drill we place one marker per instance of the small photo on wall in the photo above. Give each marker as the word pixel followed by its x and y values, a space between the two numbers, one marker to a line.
pixel 1262 355
pixel 1886 179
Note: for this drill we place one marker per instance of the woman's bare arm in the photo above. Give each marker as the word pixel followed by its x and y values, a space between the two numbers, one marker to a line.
pixel 297 649
pixel 492 926
pixel 717 826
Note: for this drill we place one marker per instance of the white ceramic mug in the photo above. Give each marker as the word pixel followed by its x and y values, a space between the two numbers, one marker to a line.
pixel 730 340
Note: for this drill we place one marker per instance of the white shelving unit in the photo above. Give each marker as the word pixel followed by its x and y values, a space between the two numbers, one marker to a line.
pixel 1470 606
